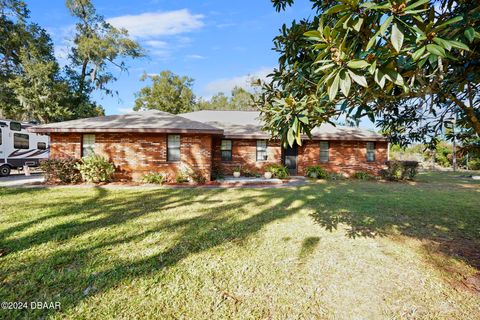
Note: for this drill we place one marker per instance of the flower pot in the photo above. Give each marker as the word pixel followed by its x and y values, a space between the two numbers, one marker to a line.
pixel 236 174
pixel 268 175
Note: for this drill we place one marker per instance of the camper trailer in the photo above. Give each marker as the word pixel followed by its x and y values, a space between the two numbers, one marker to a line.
pixel 19 148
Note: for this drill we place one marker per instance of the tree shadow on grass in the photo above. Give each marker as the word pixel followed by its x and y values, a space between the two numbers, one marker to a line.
pixel 215 224
pixel 364 209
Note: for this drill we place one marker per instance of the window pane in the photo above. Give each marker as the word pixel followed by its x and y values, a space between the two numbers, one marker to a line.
pixel 174 141
pixel 370 151
pixel 226 145
pixel 0 136
pixel 261 145
pixel 21 141
pixel 324 151
pixel 226 155
pixel 88 144
pixel 261 150
pixel 41 145
pixel 173 154
pixel 15 126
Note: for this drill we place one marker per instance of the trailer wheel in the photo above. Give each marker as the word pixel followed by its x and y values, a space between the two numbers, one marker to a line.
pixel 5 170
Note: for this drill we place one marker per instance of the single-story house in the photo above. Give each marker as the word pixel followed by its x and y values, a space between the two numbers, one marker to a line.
pixel 209 141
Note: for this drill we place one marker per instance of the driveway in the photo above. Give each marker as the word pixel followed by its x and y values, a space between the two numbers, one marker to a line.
pixel 17 180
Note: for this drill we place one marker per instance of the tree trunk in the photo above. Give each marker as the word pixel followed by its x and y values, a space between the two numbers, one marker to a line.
pixel 469 112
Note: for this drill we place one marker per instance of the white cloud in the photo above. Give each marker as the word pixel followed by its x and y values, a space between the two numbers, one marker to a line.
pixel 227 84
pixel 158 44
pixel 151 24
pixel 194 56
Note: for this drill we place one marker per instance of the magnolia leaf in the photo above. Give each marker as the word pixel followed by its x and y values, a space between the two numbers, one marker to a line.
pixel 416 4
pixel 332 92
pixel 446 23
pixel 358 24
pixel 418 54
pixel 372 67
pixel 470 34
pixel 313 34
pixel 459 45
pixel 443 43
pixel 290 137
pixel 358 79
pixel 380 78
pixel 325 67
pixel 358 64
pixel 345 83
pixel 335 9
pixel 436 49
pixel 385 25
pixel 304 119
pixel 396 38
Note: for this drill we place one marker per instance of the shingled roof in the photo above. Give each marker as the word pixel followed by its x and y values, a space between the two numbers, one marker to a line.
pixel 141 121
pixel 247 124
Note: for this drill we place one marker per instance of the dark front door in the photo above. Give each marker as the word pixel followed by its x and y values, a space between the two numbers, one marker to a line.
pixel 290 159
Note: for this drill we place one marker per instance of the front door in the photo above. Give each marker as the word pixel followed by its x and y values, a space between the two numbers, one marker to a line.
pixel 290 159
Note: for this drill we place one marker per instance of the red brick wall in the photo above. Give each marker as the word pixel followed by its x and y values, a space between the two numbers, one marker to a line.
pixel 345 156
pixel 244 154
pixel 135 154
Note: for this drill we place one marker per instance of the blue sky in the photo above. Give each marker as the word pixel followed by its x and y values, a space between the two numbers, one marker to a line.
pixel 219 43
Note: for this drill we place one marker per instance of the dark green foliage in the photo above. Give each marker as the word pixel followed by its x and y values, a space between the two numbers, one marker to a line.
pixel 413 66
pixel 96 169
pixel 474 164
pixel 155 178
pixel 168 92
pixel 62 170
pixel 400 170
pixel 278 171
pixel 240 100
pixel 316 172
pixel 361 175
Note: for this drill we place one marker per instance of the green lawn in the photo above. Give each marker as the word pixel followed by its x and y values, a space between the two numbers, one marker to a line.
pixel 336 250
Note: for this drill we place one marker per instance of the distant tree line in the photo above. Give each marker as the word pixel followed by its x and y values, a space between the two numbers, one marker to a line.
pixel 173 93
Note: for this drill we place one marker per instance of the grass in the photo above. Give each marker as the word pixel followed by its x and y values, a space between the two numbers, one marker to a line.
pixel 337 250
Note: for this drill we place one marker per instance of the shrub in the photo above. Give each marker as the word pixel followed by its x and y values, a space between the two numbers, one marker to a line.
pixel 400 170
pixel 248 173
pixel 96 169
pixel 61 170
pixel 361 175
pixel 278 171
pixel 316 172
pixel 474 164
pixel 198 177
pixel 181 177
pixel 335 176
pixel 154 177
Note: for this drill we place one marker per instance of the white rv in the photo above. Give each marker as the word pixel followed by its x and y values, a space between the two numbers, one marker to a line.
pixel 19 148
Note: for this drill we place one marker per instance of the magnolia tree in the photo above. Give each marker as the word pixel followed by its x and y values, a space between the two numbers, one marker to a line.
pixel 413 66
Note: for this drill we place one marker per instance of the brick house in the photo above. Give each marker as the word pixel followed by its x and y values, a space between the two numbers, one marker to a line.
pixel 155 141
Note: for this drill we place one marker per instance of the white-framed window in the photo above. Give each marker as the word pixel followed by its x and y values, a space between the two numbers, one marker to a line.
pixel 262 150
pixel 88 144
pixel 226 149
pixel 370 151
pixel 173 147
pixel 21 141
pixel 324 151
